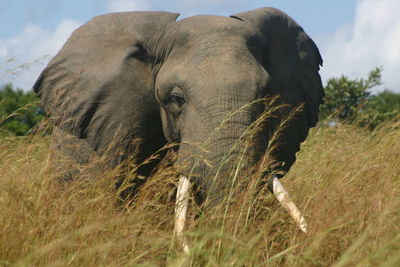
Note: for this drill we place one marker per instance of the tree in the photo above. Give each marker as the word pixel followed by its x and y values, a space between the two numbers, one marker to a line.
pixel 350 100
pixel 345 98
pixel 380 108
pixel 19 110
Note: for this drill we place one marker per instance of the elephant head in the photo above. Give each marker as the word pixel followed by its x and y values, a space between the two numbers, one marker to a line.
pixel 145 76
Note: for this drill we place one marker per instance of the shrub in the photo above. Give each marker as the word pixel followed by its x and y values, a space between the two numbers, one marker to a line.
pixel 19 111
pixel 350 100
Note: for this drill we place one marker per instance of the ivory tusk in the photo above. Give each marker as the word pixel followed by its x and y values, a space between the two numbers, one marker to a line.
pixel 284 198
pixel 181 207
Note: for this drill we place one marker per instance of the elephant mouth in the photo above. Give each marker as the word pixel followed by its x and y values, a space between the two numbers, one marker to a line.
pixel 182 204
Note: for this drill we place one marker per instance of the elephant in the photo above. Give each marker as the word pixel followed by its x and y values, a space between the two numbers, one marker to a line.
pixel 149 77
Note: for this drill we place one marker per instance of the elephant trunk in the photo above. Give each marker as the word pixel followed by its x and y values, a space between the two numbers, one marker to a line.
pixel 221 156
pixel 219 161
pixel 227 158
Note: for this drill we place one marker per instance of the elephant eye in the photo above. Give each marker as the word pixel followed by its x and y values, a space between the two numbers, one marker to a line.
pixel 177 100
pixel 176 97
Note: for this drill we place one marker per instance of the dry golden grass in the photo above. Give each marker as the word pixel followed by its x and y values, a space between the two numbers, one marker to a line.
pixel 346 181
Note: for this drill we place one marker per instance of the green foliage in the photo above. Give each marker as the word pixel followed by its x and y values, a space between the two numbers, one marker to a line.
pixel 19 111
pixel 345 98
pixel 380 108
pixel 350 100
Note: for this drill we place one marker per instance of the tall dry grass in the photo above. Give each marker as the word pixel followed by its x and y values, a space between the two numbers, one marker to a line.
pixel 346 181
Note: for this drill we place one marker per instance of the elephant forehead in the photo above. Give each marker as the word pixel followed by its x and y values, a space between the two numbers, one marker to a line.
pixel 224 66
pixel 212 48
pixel 206 22
pixel 204 38
pixel 213 27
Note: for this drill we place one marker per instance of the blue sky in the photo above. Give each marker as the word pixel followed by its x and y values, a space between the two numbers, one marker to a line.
pixel 354 36
pixel 315 15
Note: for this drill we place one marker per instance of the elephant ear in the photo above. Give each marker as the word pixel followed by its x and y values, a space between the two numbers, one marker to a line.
pixel 99 86
pixel 292 59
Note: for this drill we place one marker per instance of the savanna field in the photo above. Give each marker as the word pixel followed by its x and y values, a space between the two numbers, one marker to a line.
pixel 222 93
pixel 346 181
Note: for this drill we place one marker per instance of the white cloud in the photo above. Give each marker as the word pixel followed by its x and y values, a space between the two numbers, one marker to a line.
pixel 372 40
pixel 128 5
pixel 24 56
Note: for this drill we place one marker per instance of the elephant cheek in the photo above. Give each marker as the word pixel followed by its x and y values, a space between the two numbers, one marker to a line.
pixel 170 130
pixel 164 121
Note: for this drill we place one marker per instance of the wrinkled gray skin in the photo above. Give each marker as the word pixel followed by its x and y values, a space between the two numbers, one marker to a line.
pixel 145 76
